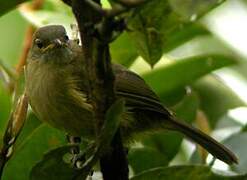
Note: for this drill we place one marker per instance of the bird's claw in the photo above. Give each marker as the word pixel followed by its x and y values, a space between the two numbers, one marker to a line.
pixel 78 160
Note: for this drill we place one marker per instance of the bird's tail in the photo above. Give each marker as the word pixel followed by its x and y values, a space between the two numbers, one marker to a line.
pixel 211 145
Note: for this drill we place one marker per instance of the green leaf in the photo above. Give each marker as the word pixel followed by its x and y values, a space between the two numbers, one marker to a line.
pixel 185 173
pixel 145 32
pixel 8 5
pixel 215 98
pixel 181 34
pixel 123 50
pixel 31 125
pixel 147 40
pixel 39 141
pixel 205 44
pixel 112 121
pixel 237 144
pixel 181 73
pixel 53 166
pixel 9 35
pixel 161 147
pixel 241 68
pixel 142 159
pixel 5 107
pixel 155 27
pixel 174 97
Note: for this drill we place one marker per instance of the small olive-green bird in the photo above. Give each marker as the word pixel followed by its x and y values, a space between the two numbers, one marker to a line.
pixel 56 88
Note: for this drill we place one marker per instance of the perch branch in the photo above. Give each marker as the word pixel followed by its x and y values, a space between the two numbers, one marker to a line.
pixel 100 84
pixel 118 8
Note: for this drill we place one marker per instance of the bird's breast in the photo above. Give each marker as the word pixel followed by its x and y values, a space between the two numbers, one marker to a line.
pixel 56 99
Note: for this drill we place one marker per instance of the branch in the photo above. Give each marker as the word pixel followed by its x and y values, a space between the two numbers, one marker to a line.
pixel 100 82
pixel 119 7
pixel 27 44
pixel 131 3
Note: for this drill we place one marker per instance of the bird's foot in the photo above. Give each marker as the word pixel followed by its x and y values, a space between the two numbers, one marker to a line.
pixel 78 160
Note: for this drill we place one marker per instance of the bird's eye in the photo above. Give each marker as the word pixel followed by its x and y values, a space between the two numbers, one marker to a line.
pixel 39 43
pixel 66 38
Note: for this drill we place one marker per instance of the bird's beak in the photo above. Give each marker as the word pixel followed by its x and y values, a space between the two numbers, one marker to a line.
pixel 55 43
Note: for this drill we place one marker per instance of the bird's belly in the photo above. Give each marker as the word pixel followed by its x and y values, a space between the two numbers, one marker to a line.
pixel 65 116
pixel 52 104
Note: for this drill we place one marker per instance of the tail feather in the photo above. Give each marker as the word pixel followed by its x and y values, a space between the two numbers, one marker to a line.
pixel 211 145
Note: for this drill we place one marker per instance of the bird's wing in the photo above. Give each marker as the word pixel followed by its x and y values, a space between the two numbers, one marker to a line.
pixel 136 92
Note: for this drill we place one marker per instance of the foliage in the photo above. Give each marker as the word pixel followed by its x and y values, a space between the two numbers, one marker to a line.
pixel 155 30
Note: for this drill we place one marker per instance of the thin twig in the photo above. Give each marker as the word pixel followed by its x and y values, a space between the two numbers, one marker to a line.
pixel 131 3
pixel 118 8
pixel 27 45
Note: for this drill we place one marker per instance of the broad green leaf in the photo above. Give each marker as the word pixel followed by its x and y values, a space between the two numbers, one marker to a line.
pixel 182 34
pixel 8 5
pixel 147 40
pixel 155 27
pixel 200 45
pixel 112 121
pixel 174 97
pixel 53 166
pixel 215 98
pixel 31 125
pixel 186 173
pixel 38 142
pixel 142 159
pixel 237 143
pixel 161 147
pixel 5 108
pixel 241 68
pixel 181 73
pixel 11 40
pixel 123 50
pixel 187 108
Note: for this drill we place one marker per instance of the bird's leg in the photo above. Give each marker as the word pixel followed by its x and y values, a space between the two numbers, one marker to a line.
pixel 74 141
pixel 78 156
pixel 75 150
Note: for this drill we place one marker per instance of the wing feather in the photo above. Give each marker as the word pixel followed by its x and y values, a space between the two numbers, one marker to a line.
pixel 136 92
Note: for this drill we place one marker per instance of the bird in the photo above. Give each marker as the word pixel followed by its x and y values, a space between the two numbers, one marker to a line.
pixel 57 91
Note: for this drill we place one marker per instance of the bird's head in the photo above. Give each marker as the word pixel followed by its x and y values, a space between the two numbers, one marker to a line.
pixel 51 44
